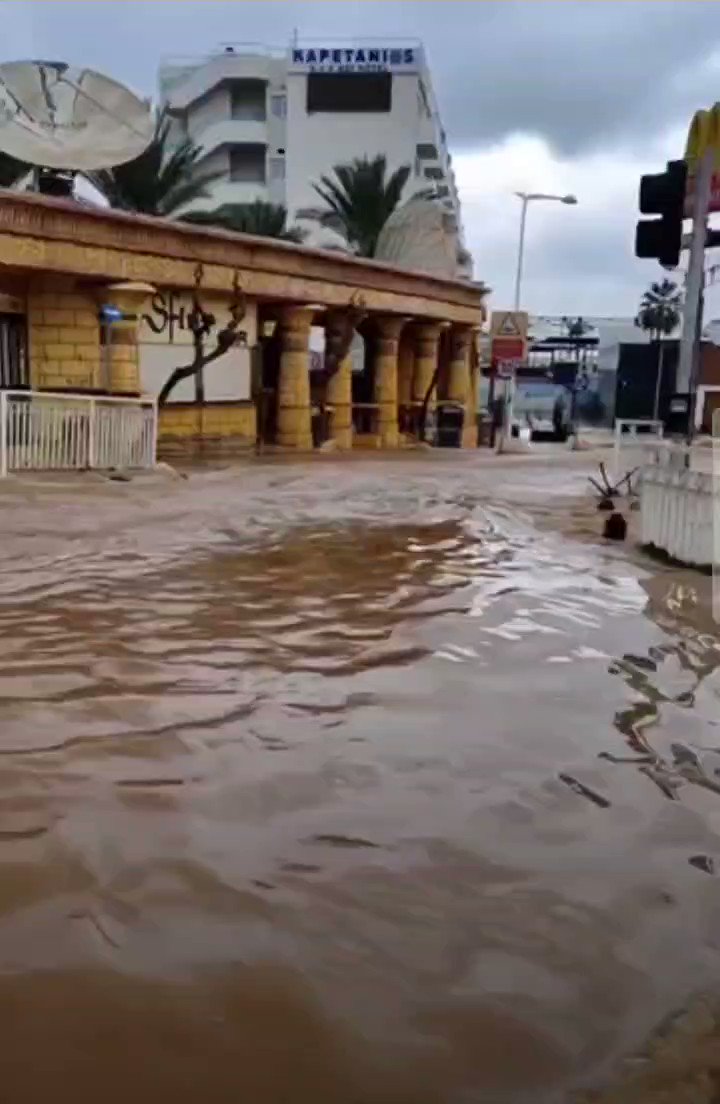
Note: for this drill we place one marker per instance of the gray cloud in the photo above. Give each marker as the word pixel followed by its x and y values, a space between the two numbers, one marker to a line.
pixel 582 75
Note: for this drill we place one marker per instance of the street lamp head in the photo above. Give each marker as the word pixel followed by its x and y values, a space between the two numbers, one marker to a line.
pixel 571 199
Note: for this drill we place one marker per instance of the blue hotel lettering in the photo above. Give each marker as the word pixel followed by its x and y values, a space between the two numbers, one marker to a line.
pixel 404 56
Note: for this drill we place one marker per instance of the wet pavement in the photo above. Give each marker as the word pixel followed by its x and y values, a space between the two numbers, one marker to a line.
pixel 355 781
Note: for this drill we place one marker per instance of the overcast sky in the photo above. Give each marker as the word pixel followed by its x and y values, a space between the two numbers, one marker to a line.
pixel 544 95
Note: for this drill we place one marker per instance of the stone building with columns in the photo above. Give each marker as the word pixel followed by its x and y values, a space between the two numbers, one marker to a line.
pixel 100 302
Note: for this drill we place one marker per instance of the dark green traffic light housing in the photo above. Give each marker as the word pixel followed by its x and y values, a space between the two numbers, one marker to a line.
pixel 662 194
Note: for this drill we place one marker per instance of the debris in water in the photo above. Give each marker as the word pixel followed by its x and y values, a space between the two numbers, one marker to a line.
pixel 584 791
pixel 615 528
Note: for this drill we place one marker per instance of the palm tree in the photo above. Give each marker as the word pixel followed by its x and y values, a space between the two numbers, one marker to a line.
pixel 160 180
pixel 360 200
pixel 659 315
pixel 266 220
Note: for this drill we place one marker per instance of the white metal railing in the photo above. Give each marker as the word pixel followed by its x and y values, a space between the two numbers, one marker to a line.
pixel 639 436
pixel 677 510
pixel 63 431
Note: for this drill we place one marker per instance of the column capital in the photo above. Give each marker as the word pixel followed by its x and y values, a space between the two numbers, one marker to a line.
pixel 297 316
pixel 428 331
pixel 461 336
pixel 389 326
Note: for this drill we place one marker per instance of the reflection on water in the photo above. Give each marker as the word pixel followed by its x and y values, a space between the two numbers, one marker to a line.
pixel 359 810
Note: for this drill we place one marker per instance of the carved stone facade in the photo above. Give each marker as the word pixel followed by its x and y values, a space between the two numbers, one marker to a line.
pixel 64 261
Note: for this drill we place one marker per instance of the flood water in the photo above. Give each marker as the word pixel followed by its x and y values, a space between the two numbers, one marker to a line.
pixel 345 783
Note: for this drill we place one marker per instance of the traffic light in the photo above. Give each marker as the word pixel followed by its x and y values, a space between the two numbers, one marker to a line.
pixel 662 194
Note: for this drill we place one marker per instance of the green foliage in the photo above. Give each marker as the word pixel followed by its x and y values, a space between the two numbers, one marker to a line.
pixel 660 306
pixel 161 180
pixel 266 220
pixel 360 199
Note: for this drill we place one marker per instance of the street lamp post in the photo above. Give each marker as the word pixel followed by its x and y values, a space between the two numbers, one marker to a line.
pixel 525 198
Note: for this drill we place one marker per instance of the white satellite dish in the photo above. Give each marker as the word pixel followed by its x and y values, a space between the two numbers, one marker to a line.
pixel 57 116
pixel 421 235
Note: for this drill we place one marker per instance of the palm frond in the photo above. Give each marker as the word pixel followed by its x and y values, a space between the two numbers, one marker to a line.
pixel 265 220
pixel 660 309
pixel 162 179
pixel 359 198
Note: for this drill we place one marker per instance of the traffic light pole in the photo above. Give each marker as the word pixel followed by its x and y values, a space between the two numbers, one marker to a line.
pixel 692 319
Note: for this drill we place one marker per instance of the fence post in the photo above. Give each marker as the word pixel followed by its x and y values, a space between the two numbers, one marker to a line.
pixel 91 434
pixel 154 439
pixel 3 434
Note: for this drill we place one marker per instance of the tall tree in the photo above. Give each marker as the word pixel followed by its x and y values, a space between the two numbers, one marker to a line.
pixel 659 315
pixel 266 220
pixel 161 180
pixel 360 199
pixel 659 312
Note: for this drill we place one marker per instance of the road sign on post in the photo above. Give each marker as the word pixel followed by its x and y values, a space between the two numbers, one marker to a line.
pixel 508 334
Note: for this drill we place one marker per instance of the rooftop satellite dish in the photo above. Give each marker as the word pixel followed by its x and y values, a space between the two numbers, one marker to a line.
pixel 421 235
pixel 55 116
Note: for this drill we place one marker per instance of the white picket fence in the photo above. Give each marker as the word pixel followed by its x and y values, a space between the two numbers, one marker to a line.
pixel 636 442
pixel 679 507
pixel 62 431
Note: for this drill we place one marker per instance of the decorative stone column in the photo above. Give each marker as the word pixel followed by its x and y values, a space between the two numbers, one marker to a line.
pixel 406 367
pixel 470 428
pixel 427 337
pixel 293 414
pixel 459 366
pixel 339 397
pixel 386 378
pixel 120 368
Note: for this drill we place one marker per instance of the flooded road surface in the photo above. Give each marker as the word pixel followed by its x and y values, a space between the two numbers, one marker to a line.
pixel 345 783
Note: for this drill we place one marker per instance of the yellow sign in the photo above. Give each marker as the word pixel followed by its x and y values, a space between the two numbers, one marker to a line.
pixel 509 324
pixel 704 135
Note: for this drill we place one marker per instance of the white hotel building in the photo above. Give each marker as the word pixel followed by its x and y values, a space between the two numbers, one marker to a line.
pixel 273 122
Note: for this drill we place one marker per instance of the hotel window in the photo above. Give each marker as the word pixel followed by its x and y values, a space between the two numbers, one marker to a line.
pixel 247 163
pixel 349 92
pixel 278 106
pixel 427 151
pixel 247 100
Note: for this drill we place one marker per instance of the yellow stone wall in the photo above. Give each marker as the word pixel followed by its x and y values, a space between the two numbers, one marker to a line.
pixel 187 429
pixel 63 336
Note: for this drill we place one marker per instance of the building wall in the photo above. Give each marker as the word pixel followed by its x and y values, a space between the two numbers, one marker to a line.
pixel 312 144
pixel 63 335
pixel 318 142
pixel 165 343
pixel 190 430
pixel 213 108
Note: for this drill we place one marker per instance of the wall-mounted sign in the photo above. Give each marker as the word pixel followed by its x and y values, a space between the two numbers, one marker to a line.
pixel 361 59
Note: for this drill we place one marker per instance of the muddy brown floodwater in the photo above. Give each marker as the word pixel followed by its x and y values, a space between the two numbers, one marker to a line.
pixel 364 782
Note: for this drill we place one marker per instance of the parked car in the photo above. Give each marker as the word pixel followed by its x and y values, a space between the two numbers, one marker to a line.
pixel 544 407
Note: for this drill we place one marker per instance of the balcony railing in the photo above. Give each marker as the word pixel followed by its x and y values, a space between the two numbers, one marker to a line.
pixel 62 431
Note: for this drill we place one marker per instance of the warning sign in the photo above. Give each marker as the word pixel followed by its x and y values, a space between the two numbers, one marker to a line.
pixel 509 324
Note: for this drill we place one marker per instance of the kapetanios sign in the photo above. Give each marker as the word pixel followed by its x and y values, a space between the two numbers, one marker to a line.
pixel 360 59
